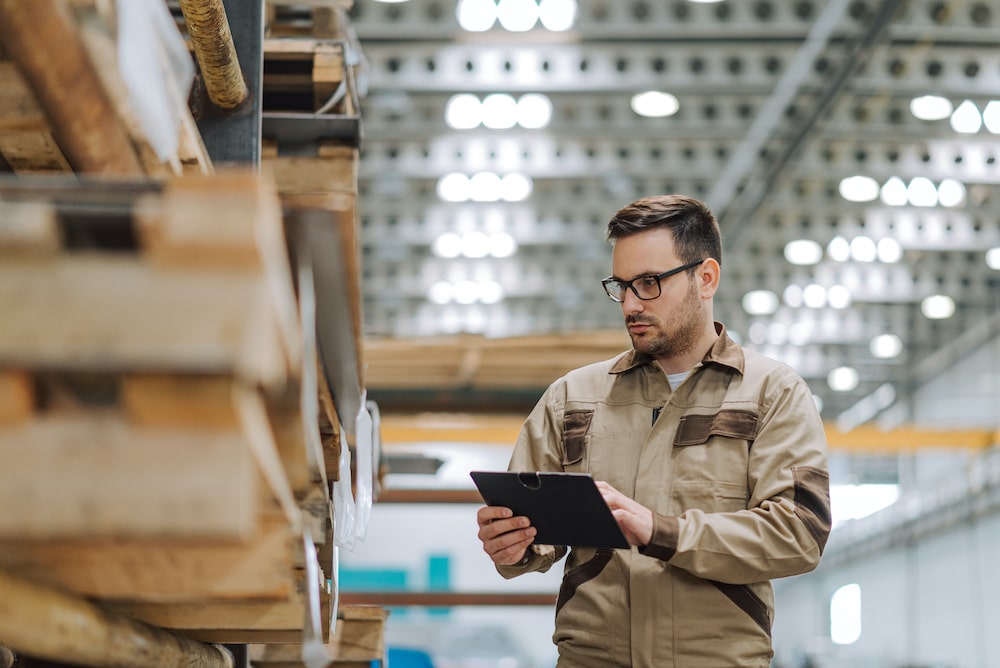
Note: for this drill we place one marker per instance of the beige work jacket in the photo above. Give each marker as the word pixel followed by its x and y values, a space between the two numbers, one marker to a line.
pixel 733 464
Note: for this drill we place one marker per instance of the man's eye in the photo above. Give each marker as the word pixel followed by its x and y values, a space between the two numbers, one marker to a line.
pixel 647 282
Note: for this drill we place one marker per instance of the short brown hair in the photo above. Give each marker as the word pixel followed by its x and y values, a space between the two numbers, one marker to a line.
pixel 695 229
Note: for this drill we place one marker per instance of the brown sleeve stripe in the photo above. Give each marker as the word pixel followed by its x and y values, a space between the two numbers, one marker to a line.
pixel 578 576
pixel 812 501
pixel 663 545
pixel 747 601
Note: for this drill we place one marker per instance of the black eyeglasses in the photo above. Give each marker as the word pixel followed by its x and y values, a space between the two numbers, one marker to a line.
pixel 644 287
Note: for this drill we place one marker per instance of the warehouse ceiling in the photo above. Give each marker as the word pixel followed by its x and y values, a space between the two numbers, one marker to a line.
pixel 779 101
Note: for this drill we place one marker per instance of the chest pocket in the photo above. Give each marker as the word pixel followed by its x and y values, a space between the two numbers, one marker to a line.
pixel 697 429
pixel 576 424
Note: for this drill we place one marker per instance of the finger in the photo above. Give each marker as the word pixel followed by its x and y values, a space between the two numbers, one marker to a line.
pixel 488 514
pixel 512 554
pixel 492 530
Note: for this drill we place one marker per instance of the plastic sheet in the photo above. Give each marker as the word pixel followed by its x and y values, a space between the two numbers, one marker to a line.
pixel 157 71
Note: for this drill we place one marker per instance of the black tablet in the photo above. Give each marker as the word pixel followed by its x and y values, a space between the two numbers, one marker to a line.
pixel 565 508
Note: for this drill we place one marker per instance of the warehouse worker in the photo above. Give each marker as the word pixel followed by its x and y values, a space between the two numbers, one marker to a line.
pixel 711 457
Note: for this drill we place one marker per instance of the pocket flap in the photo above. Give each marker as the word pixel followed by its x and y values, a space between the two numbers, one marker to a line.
pixel 697 429
pixel 575 427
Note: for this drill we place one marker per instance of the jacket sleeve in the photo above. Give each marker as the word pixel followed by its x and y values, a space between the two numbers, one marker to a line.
pixel 784 527
pixel 539 448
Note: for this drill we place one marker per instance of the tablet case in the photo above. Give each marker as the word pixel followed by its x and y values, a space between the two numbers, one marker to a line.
pixel 565 508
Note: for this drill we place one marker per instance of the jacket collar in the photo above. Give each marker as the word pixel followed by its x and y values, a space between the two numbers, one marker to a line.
pixel 724 351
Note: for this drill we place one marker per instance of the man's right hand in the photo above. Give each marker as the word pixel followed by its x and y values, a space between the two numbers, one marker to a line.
pixel 505 538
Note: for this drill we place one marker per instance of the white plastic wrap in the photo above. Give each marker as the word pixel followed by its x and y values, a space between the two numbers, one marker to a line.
pixel 314 651
pixel 352 511
pixel 343 501
pixel 156 69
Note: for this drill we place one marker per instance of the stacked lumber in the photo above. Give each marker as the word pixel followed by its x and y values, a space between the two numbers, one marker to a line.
pixel 306 18
pixel 358 642
pixel 153 451
pixel 68 109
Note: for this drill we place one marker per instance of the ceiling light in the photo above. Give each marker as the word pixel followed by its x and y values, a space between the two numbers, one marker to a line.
pixel 889 250
pixel 499 111
pixel 838 296
pixel 839 249
pixel 966 119
pixel 476 15
pixel 799 333
pixel 534 111
pixel 447 245
pixel 490 292
pixel 792 295
pixel 859 188
pixel 937 307
pixel 475 244
pixel 921 192
pixel 502 244
pixel 803 252
pixel 993 258
pixel 777 333
pixel 463 112
pixel 557 15
pixel 453 187
pixel 931 107
pixel 517 15
pixel 440 292
pixel 484 187
pixel 760 302
pixel 814 296
pixel 893 192
pixel 991 116
pixel 757 333
pixel 951 192
pixel 466 292
pixel 515 187
pixel 843 379
pixel 655 104
pixel 863 249
pixel 886 346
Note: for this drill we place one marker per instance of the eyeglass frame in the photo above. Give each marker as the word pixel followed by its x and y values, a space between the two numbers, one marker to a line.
pixel 626 285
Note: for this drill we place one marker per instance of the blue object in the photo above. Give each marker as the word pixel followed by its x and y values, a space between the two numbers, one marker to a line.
pixel 402 657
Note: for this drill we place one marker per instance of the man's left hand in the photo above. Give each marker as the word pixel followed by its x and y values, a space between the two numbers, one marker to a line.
pixel 634 519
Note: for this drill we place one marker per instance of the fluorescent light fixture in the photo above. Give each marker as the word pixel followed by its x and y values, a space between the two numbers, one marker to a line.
pixel 490 292
pixel 937 307
pixel 803 252
pixel 655 104
pixel 893 192
pixel 859 188
pixel 889 250
pixel 475 244
pixel 951 192
pixel 499 111
pixel 447 245
pixel 845 615
pixel 922 192
pixel 886 346
pixel 557 15
pixel 966 119
pixel 440 292
pixel 838 296
pixel 453 187
pixel 515 187
pixel 814 295
pixel 463 111
pixel 792 295
pixel 502 244
pixel 839 249
pixel 863 249
pixel 931 107
pixel 484 187
pixel 534 111
pixel 991 116
pixel 517 15
pixel 757 333
pixel 843 379
pixel 476 15
pixel 993 258
pixel 760 302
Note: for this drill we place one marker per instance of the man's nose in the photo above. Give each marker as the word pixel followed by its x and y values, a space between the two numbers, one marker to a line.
pixel 631 302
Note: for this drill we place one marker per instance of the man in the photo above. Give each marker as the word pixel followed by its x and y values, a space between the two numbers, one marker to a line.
pixel 712 459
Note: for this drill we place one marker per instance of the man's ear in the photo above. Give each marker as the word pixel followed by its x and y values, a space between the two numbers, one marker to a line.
pixel 708 274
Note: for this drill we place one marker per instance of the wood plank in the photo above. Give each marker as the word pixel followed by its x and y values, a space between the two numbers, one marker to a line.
pixel 116 313
pixel 17 397
pixel 28 227
pixel 261 567
pixel 83 477
pixel 67 86
pixel 334 170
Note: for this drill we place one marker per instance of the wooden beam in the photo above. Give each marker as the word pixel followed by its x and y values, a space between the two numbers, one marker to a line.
pixel 74 476
pixel 50 624
pixel 67 86
pixel 260 568
pixel 391 495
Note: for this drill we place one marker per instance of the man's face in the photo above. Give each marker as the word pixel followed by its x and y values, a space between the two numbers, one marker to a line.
pixel 671 324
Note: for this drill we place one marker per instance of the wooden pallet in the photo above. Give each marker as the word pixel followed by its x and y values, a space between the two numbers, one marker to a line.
pixel 303 75
pixel 358 642
pixel 305 18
